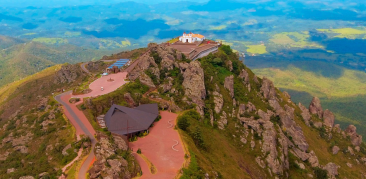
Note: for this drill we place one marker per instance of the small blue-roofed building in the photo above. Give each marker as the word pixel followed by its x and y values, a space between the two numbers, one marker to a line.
pixel 118 65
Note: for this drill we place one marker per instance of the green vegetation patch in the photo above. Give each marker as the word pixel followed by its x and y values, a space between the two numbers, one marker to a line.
pixel 256 49
pixel 51 41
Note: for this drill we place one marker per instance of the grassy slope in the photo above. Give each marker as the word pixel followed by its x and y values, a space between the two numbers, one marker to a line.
pixel 21 58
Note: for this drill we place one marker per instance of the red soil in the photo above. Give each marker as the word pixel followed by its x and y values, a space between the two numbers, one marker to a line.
pixel 157 147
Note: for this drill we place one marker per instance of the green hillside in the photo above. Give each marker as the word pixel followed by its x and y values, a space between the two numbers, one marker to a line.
pixel 20 58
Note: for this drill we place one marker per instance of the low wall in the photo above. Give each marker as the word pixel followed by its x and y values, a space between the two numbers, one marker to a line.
pixel 205 52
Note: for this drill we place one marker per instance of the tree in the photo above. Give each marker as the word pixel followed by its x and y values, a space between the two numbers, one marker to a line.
pixel 183 122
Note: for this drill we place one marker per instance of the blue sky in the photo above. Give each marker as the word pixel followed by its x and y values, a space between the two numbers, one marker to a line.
pixel 57 3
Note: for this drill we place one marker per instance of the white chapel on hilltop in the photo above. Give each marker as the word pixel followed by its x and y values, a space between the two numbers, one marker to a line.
pixel 191 38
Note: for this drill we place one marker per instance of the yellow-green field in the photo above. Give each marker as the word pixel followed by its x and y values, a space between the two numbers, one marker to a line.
pixel 256 49
pixel 173 40
pixel 51 41
pixel 350 33
pixel 294 40
pixel 105 43
pixel 6 90
pixel 351 83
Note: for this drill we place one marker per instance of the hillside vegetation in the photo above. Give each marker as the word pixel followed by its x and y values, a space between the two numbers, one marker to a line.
pixel 21 58
pixel 236 125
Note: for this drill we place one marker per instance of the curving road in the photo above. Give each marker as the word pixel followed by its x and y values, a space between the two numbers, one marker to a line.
pixel 82 126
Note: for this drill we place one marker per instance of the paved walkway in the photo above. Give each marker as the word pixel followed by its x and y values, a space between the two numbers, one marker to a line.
pixel 108 86
pixel 161 149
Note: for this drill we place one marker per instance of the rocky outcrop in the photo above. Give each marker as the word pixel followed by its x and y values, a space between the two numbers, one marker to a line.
pixel 129 99
pixel 146 80
pixel 194 84
pixel 356 139
pixel 328 118
pixel 335 150
pixel 222 122
pixel 229 85
pixel 292 128
pixel 268 90
pixel 270 146
pixel 313 159
pixel 26 177
pixel 305 114
pixel 107 167
pixel 316 108
pixel 229 65
pixel 219 101
pixel 144 63
pixel 167 86
pixel 244 76
pixel 67 74
pixel 332 169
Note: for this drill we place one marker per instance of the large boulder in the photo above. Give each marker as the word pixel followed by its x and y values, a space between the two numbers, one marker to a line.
pixel 335 150
pixel 332 169
pixel 146 80
pixel 229 85
pixel 316 108
pixel 268 90
pixel 305 114
pixel 244 75
pixel 219 101
pixel 356 139
pixel 328 118
pixel 295 131
pixel 194 84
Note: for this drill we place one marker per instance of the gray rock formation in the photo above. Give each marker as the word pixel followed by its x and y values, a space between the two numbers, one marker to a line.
pixel 194 85
pixel 313 159
pixel 118 166
pixel 305 114
pixel 328 118
pixel 316 108
pixel 26 177
pixel 335 150
pixel 67 74
pixel 222 122
pixel 332 169
pixel 229 85
pixel 219 102
pixel 146 80
pixel 356 139
pixel 268 90
pixel 167 86
pixel 244 76
pixel 293 129
pixel 129 99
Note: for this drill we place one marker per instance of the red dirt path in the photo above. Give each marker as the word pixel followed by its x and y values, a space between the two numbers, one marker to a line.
pixel 157 147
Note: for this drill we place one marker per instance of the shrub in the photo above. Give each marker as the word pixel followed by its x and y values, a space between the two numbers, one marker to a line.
pixel 183 122
pixel 217 62
pixel 198 139
pixel 139 151
pixel 158 118
pixel 226 49
pixel 156 57
pixel 320 173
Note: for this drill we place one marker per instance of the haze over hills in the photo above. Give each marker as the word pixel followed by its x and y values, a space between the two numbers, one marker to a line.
pixel 307 48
